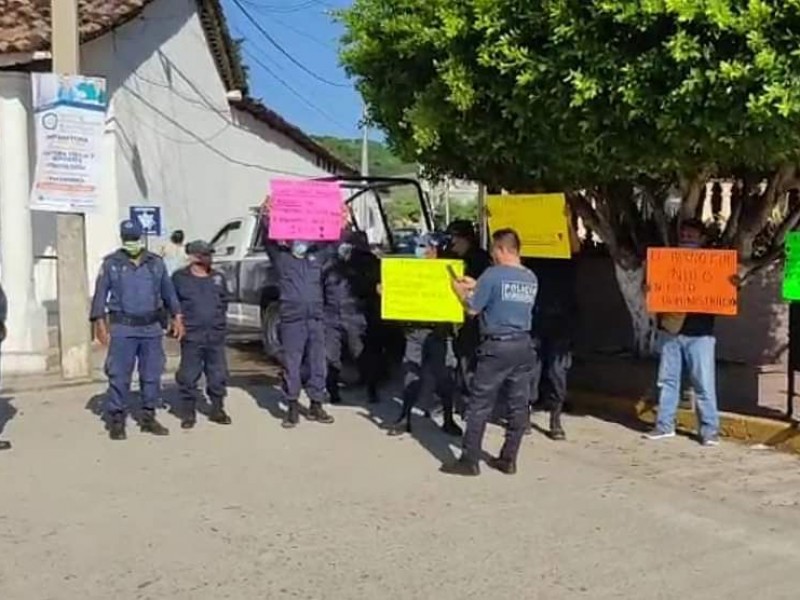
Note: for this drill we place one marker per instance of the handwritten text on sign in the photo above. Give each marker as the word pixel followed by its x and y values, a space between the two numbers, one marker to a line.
pixel 419 289
pixel 791 269
pixel 539 219
pixel 682 280
pixel 305 210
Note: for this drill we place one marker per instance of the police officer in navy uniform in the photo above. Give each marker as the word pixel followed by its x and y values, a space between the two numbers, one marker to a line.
pixel 133 299
pixel 425 368
pixel 464 244
pixel 204 296
pixel 350 278
pixel 298 265
pixel 503 299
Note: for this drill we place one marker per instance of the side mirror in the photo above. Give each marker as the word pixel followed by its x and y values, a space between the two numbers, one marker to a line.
pixel 230 250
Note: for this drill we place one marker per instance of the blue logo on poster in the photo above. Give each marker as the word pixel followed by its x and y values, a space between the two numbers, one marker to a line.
pixel 149 217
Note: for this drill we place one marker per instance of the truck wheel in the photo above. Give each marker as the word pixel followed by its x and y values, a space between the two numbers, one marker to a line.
pixel 269 330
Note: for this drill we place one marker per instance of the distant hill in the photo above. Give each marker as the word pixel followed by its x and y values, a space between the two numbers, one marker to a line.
pixel 381 159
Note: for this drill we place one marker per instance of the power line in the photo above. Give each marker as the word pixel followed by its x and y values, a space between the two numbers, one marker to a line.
pixel 282 9
pixel 294 91
pixel 280 48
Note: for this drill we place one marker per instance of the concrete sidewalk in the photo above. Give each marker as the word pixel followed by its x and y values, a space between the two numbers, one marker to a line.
pixel 772 433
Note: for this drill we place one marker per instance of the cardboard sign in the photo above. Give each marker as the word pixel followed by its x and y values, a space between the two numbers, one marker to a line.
pixel 539 219
pixel 791 268
pixel 419 289
pixel 682 280
pixel 305 210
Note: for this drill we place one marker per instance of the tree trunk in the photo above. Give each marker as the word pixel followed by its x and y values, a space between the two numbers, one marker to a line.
pixel 631 286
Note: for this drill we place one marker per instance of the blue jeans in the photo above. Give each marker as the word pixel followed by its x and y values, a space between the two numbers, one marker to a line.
pixel 698 354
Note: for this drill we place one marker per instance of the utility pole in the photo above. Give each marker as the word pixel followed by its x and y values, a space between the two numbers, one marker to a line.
pixel 446 201
pixel 73 289
pixel 363 208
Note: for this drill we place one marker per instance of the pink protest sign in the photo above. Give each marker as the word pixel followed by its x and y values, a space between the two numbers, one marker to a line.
pixel 305 210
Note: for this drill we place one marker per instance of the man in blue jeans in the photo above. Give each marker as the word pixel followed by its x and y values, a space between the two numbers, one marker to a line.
pixel 689 339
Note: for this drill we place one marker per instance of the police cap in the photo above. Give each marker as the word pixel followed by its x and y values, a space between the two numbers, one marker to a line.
pixel 199 248
pixel 461 228
pixel 130 230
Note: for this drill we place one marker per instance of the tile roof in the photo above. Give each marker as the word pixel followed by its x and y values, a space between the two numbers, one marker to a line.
pixel 25 27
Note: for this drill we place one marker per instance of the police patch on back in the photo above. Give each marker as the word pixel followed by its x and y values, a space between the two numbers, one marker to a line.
pixel 518 291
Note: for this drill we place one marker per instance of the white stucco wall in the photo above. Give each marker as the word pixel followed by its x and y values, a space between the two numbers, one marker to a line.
pixel 173 139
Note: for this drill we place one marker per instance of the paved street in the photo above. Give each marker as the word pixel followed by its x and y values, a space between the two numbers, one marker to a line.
pixel 253 511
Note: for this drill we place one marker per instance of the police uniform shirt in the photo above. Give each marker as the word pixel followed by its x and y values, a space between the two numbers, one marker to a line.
pixel 504 296
pixel 204 301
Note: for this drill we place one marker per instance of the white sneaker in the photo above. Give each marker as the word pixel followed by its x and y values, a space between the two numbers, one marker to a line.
pixel 658 434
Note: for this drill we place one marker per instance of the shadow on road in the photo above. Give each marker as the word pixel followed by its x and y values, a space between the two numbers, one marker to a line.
pixel 7 412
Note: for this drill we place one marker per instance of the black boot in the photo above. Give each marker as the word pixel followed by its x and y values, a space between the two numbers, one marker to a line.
pixel 116 428
pixel 503 465
pixel 318 414
pixel 332 385
pixel 150 424
pixel 463 466
pixel 189 418
pixel 451 428
pixel 556 430
pixel 292 416
pixel 372 394
pixel 219 416
pixel 4 445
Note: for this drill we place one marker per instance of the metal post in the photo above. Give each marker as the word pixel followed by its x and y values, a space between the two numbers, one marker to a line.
pixel 794 314
pixel 73 289
pixel 483 217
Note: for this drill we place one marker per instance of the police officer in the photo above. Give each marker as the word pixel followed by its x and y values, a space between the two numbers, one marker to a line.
pixel 425 368
pixel 298 265
pixel 503 298
pixel 4 445
pixel 350 278
pixel 464 245
pixel 204 297
pixel 554 321
pixel 133 296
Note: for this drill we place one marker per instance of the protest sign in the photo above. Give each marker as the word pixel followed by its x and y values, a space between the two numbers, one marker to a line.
pixel 683 280
pixel 305 210
pixel 419 289
pixel 539 219
pixel 69 120
pixel 791 268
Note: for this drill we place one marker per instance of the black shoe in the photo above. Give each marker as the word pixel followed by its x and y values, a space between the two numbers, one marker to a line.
pixel 116 431
pixel 462 466
pixel 318 414
pixel 5 445
pixel 556 430
pixel 335 398
pixel 503 465
pixel 372 394
pixel 292 416
pixel 220 417
pixel 188 422
pixel 151 425
pixel 451 428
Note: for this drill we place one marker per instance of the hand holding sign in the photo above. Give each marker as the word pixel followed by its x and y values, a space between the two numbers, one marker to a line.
pixel 305 210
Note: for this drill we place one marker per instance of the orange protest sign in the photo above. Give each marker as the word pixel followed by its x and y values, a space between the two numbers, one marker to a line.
pixel 682 280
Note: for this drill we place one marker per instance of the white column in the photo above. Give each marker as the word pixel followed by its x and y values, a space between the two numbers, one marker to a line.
pixel 25 348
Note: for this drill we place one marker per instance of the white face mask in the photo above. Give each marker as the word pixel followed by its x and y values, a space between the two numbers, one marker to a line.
pixel 420 251
pixel 299 249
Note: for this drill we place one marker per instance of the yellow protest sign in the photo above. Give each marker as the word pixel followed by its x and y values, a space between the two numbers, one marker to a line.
pixel 419 289
pixel 539 219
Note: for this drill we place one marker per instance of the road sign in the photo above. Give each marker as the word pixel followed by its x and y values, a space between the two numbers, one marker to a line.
pixel 149 217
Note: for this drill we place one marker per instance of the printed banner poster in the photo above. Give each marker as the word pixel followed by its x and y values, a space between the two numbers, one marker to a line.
pixel 305 210
pixel 539 219
pixel 69 116
pixel 419 289
pixel 682 280
pixel 791 268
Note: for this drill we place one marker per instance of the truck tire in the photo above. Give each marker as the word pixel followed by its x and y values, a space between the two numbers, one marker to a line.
pixel 269 330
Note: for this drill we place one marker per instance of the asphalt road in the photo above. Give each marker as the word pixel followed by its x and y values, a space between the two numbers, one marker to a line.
pixel 343 511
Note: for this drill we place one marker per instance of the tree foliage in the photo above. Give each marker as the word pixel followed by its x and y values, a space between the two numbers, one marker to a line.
pixel 614 101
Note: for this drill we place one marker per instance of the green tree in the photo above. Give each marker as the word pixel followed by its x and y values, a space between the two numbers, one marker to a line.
pixel 615 102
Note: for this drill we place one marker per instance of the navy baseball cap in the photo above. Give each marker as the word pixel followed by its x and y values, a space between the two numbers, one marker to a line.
pixel 199 248
pixel 130 230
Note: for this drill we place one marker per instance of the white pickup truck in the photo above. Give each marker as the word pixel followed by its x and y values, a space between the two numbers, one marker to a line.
pixel 240 253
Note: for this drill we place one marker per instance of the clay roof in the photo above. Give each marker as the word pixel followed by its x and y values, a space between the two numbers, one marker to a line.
pixel 25 27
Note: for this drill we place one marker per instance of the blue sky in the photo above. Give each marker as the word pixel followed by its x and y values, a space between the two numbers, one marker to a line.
pixel 289 76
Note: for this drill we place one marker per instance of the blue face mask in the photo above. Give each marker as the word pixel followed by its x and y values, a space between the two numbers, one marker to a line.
pixel 299 249
pixel 420 251
pixel 690 245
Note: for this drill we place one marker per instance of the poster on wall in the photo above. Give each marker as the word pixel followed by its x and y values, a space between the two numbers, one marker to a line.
pixel 69 118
